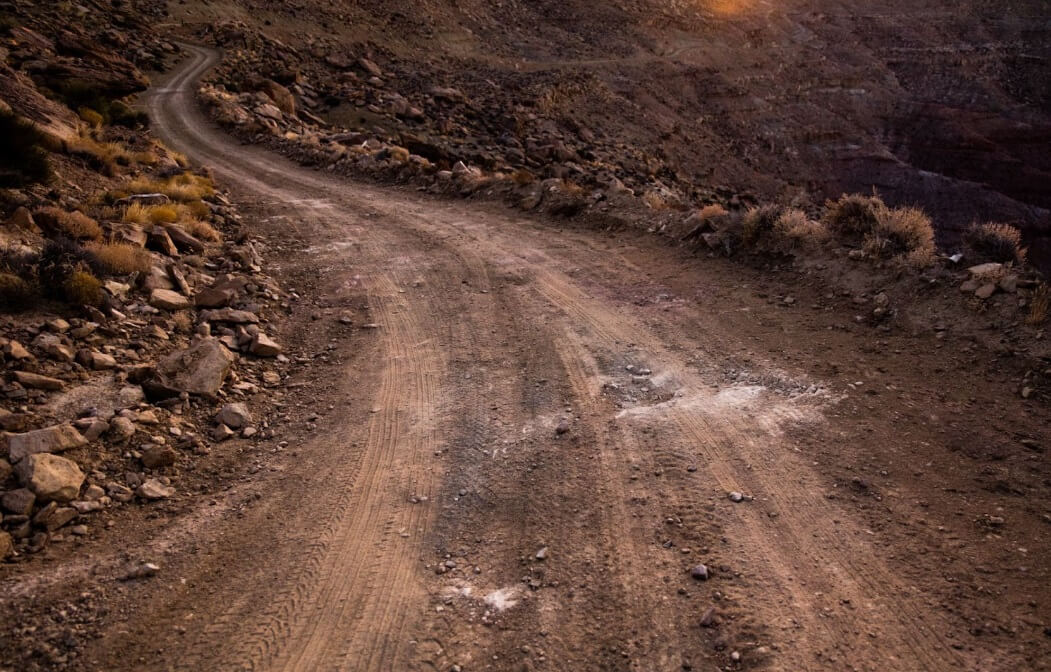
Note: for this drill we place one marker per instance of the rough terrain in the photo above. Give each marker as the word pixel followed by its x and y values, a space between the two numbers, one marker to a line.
pixel 530 437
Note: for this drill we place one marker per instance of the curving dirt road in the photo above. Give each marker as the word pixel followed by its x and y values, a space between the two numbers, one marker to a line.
pixel 531 388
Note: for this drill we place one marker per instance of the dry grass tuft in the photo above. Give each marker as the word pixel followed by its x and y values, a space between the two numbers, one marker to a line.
pixel 902 232
pixel 201 229
pixel 183 188
pixel 121 259
pixel 996 242
pixel 794 226
pixel 137 213
pixel 75 225
pixel 1040 305
pixel 90 116
pixel 523 177
pixel 16 294
pixel 758 222
pixel 83 288
pixel 852 215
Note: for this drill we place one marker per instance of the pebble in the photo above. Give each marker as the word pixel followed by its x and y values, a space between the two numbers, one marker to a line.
pixel 699 572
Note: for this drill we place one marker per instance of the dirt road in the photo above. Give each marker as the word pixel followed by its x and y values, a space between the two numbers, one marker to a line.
pixel 519 466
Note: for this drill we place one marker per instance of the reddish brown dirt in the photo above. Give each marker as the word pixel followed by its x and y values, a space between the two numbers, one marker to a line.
pixel 898 522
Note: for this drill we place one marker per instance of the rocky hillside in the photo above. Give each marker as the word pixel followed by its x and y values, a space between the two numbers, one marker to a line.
pixel 938 104
pixel 134 330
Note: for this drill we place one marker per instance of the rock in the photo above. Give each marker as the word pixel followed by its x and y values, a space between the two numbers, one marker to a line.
pixel 268 111
pixel 214 298
pixel 1009 284
pixel 122 428
pixel 736 497
pixel 282 97
pixel 200 369
pixel 143 571
pixel 166 299
pixel 53 439
pixel 985 291
pixel 120 493
pixel 542 554
pixel 16 350
pixel 230 315
pixel 370 67
pixel 155 457
pixel 5 470
pixel 142 199
pixel 699 572
pixel 37 381
pixel 96 361
pixel 7 546
pixel 50 477
pixel 562 427
pixel 21 219
pixel 57 325
pixel 263 346
pixel 183 240
pixel 53 516
pixel 153 489
pixel 234 415
pixel 79 530
pixel 19 502
pixel 130 395
pixel 93 492
pixel 708 618
pixel 986 270
pixel 222 433
pixel 55 349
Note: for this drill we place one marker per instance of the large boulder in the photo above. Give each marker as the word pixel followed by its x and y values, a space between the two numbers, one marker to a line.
pixel 282 97
pixel 50 477
pixel 54 439
pixel 199 369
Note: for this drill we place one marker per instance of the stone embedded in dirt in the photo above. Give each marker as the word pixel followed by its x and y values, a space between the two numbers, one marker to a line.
pixel 166 299
pixel 53 439
pixel 16 350
pixel 123 428
pixel 200 369
pixel 54 348
pixel 542 554
pixel 50 477
pixel 119 492
pixel 986 270
pixel 155 457
pixel 214 298
pixel 142 199
pixel 37 381
pixel 264 346
pixel 282 97
pixel 153 489
pixel 370 67
pixel 21 219
pixel 563 426
pixel 19 502
pixel 985 291
pixel 699 572
pixel 736 497
pixel 235 416
pixel 708 618
pixel 183 240
pixel 130 395
pixel 222 433
pixel 230 315
pixel 53 516
pixel 57 325
pixel 96 361
pixel 5 470
pixel 7 545
pixel 143 571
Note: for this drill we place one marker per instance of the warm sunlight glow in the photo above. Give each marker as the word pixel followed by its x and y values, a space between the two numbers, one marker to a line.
pixel 731 7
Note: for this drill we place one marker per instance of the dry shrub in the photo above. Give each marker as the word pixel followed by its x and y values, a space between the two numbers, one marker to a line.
pixel 121 259
pixel 16 294
pixel 198 209
pixel 1040 305
pixel 758 222
pixel 794 226
pixel 104 156
pixel 995 242
pixel 90 116
pixel 711 212
pixel 75 225
pixel 201 230
pixel 137 213
pixel 902 232
pixel 655 201
pixel 523 177
pixel 852 215
pixel 573 189
pixel 182 322
pixel 145 158
pixel 83 288
pixel 183 188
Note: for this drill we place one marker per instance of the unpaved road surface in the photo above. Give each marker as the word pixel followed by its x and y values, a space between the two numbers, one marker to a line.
pixel 518 466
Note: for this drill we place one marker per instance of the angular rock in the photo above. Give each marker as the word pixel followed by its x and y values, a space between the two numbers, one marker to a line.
pixel 222 433
pixel 5 470
pixel 200 369
pixel 96 361
pixel 16 350
pixel 230 315
pixel 19 502
pixel 154 489
pixel 156 457
pixel 21 219
pixel 50 477
pixel 264 346
pixel 166 299
pixel 234 415
pixel 53 516
pixel 53 439
pixel 214 298
pixel 281 96
pixel 183 240
pixel 122 428
pixel 157 239
pixel 37 381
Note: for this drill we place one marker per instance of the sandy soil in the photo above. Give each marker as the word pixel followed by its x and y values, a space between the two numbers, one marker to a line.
pixel 519 460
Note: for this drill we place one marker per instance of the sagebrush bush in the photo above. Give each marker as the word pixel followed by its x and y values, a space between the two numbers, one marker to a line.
pixel 60 258
pixel 758 222
pixel 121 259
pixel 201 229
pixel 82 288
pixel 183 188
pixel 23 159
pixel 995 242
pixel 852 215
pixel 137 213
pixel 796 228
pixel 902 232
pixel 75 224
pixel 16 293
